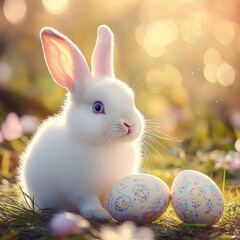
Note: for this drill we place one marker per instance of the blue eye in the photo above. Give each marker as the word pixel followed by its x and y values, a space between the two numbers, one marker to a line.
pixel 98 107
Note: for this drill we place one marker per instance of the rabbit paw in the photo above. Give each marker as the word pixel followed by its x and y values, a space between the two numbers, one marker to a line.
pixel 95 212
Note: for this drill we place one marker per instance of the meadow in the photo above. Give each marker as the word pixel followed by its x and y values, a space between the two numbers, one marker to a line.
pixel 182 59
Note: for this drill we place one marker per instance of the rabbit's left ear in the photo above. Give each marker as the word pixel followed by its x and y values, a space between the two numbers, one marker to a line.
pixel 102 57
pixel 65 62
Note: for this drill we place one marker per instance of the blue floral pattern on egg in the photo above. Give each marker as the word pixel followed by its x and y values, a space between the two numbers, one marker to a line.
pixel 196 198
pixel 123 202
pixel 141 198
pixel 141 192
pixel 159 203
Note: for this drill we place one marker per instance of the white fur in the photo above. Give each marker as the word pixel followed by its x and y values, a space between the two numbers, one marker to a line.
pixel 77 155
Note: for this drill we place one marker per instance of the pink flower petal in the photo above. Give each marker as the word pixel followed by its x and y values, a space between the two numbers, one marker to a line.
pixel 235 163
pixel 65 224
pixel 237 145
pixel 11 129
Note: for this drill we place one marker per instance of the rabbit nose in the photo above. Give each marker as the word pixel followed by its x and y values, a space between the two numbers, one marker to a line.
pixel 128 120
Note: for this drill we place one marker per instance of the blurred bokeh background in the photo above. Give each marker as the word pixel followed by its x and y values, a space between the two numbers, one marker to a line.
pixel 182 56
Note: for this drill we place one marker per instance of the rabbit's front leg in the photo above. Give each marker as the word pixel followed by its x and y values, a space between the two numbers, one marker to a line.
pixel 91 208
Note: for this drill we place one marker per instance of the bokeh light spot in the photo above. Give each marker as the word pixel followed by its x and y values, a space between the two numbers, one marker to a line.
pixel 140 33
pixel 224 32
pixel 225 74
pixel 212 56
pixel 55 6
pixel 156 36
pixel 14 10
pixel 159 33
pixel 210 72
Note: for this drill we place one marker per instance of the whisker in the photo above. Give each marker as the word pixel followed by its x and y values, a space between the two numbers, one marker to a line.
pixel 155 132
pixel 157 120
pixel 146 151
pixel 150 143
pixel 148 158
pixel 156 129
pixel 156 141
pixel 144 92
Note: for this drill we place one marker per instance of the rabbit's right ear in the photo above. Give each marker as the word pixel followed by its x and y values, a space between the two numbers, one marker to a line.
pixel 64 60
pixel 102 58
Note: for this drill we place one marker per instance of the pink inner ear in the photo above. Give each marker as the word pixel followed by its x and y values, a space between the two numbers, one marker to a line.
pixel 102 58
pixel 65 62
pixel 58 55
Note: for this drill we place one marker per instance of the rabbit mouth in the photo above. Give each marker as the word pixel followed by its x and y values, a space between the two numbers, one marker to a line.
pixel 128 127
pixel 129 132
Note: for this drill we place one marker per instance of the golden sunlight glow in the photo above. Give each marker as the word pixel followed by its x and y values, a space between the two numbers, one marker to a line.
pixel 140 33
pixel 172 5
pixel 196 27
pixel 213 56
pixel 238 43
pixel 154 78
pixel 66 59
pixel 187 1
pixel 157 106
pixel 55 6
pixel 224 32
pixel 187 32
pixel 210 72
pixel 173 29
pixel 179 96
pixel 143 10
pixel 225 74
pixel 172 77
pixel 164 76
pixel 14 10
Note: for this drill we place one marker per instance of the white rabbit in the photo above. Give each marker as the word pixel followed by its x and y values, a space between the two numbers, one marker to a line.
pixel 78 154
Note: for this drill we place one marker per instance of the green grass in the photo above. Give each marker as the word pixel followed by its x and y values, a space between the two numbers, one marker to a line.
pixel 19 222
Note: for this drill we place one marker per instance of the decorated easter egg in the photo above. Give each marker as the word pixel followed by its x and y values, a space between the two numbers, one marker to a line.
pixel 196 198
pixel 141 198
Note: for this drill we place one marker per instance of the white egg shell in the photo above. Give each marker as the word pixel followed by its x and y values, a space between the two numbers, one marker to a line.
pixel 196 198
pixel 141 198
